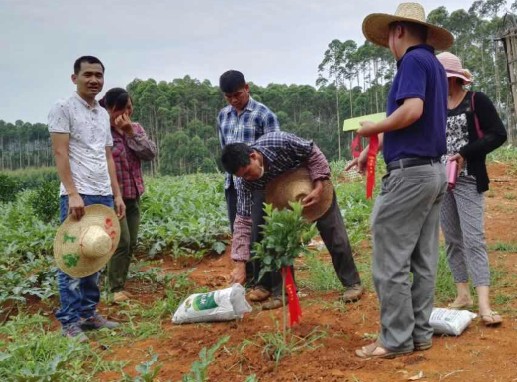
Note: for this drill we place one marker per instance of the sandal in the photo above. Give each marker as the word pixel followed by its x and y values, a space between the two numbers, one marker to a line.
pixel 368 352
pixel 258 294
pixel 491 319
pixel 461 304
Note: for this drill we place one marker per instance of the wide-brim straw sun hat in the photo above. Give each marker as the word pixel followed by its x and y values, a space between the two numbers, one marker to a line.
pixel 294 185
pixel 376 26
pixel 83 247
pixel 454 68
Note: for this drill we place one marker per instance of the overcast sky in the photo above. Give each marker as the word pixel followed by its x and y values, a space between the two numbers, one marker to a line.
pixel 270 41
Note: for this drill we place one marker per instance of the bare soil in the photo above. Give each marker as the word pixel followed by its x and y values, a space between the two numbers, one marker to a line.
pixel 479 354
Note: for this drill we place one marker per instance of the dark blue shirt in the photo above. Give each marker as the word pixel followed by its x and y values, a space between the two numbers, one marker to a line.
pixel 419 75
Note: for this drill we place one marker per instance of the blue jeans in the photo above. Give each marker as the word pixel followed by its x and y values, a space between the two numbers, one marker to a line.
pixel 78 296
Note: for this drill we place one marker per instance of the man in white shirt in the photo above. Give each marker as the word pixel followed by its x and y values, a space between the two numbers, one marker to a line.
pixel 81 139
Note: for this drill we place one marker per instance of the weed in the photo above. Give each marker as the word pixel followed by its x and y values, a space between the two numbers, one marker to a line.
pixel 321 277
pixel 147 370
pixel 199 369
pixel 275 347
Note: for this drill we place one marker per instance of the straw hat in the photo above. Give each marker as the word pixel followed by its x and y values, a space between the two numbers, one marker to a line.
pixel 295 185
pixel 376 26
pixel 83 247
pixel 453 67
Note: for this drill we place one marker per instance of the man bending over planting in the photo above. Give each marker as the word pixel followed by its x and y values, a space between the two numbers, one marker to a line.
pixel 258 164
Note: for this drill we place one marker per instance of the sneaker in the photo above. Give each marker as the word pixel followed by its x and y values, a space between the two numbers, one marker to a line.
pixel 98 322
pixel 352 293
pixel 74 332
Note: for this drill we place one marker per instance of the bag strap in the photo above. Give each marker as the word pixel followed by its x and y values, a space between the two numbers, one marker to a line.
pixel 476 120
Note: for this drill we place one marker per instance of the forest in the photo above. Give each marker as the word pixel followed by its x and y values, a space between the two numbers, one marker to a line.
pixel 353 79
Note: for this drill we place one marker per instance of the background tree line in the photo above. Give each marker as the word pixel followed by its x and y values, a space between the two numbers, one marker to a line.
pixel 180 116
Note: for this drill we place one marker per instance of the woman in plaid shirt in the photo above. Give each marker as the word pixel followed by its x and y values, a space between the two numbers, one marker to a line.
pixel 130 146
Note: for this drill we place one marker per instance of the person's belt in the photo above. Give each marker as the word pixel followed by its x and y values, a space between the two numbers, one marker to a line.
pixel 410 162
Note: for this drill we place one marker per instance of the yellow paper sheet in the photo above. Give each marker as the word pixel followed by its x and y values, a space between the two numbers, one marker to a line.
pixel 352 124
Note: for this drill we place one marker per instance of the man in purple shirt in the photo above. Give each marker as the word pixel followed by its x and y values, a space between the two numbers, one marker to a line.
pixel 270 156
pixel 405 218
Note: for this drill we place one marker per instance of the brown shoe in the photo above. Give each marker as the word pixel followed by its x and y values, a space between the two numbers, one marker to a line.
pixel 352 293
pixel 258 294
pixel 273 303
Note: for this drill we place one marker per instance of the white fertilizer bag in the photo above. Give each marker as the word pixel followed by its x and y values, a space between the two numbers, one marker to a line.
pixel 450 321
pixel 220 305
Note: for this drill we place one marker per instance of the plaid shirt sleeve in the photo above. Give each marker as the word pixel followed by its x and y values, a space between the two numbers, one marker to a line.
pixel 272 123
pixel 242 226
pixel 241 238
pixel 142 146
pixel 318 165
pixel 222 140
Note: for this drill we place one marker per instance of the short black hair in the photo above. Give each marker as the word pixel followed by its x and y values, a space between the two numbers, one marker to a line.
pixel 235 156
pixel 115 98
pixel 417 30
pixel 231 81
pixel 89 60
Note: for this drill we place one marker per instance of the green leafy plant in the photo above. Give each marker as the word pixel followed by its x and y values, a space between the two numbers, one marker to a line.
pixel 147 370
pixel 45 201
pixel 199 369
pixel 9 186
pixel 286 234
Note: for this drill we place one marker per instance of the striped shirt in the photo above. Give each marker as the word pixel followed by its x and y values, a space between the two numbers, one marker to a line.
pixel 253 122
pixel 282 152
pixel 128 152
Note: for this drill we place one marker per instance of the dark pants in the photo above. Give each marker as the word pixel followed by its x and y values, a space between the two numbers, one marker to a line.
pixel 271 281
pixel 333 232
pixel 118 267
pixel 78 296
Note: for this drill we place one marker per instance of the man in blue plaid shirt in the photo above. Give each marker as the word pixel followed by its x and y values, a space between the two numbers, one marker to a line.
pixel 245 120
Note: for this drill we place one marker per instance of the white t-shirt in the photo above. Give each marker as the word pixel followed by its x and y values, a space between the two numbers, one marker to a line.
pixel 90 133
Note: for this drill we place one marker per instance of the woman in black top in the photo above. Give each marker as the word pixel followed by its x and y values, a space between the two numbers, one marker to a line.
pixel 473 130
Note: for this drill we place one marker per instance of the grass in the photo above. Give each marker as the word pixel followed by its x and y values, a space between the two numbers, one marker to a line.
pixel 503 247
pixel 274 347
pixel 29 352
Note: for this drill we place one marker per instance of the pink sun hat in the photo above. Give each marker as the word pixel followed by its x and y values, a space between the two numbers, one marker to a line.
pixel 453 67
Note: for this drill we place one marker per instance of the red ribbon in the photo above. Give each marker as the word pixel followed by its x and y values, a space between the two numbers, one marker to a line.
pixel 371 159
pixel 295 310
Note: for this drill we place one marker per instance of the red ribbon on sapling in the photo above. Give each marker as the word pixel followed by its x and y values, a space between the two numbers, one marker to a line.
pixel 295 310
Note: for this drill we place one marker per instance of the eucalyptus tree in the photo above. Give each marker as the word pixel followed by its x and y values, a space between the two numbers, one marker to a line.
pixel 336 67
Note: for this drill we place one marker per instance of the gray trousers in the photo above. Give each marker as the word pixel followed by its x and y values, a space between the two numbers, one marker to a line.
pixel 405 228
pixel 462 220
